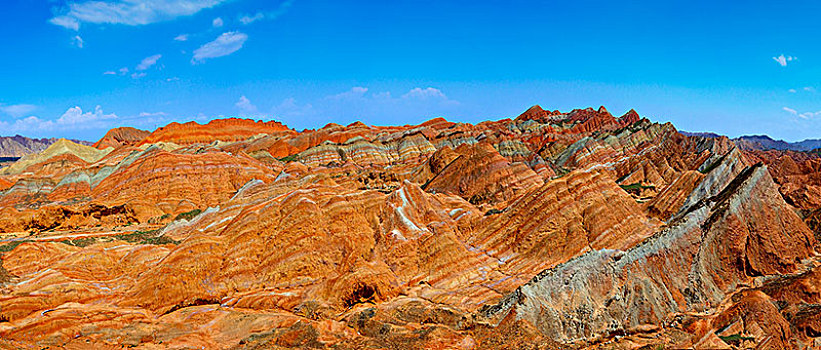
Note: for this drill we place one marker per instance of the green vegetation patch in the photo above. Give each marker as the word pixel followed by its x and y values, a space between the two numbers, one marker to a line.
pixel 636 187
pixel 288 159
pixel 188 215
pixel 5 248
pixel 146 237
pixel 712 166
pixel 81 242
pixel 735 339
pixel 159 219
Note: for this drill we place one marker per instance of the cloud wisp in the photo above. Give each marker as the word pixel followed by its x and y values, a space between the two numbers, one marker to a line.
pixel 224 45
pixel 363 104
pixel 18 110
pixel 783 60
pixel 128 12
pixel 77 41
pixel 805 115
pixel 271 15
pixel 148 62
pixel 246 108
pixel 141 68
pixel 290 108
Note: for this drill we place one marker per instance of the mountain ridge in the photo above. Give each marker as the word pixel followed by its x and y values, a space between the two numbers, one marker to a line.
pixel 549 230
pixel 18 146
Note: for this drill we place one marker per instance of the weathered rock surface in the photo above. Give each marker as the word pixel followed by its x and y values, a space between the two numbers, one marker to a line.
pixel 728 241
pixel 546 231
pixel 18 146
pixel 225 130
pixel 124 136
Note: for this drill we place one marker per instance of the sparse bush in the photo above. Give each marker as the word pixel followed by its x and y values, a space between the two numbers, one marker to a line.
pixel 188 215
pixel 288 159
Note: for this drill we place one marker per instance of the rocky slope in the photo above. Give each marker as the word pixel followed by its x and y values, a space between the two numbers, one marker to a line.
pixel 225 130
pixel 18 146
pixel 124 136
pixel 764 142
pixel 549 230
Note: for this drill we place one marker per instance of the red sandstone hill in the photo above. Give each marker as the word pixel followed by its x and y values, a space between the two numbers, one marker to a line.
pixel 548 231
pixel 231 129
pixel 121 136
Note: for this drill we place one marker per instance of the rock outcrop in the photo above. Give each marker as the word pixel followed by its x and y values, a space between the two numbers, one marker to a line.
pixel 124 136
pixel 547 231
pixel 225 130
pixel 18 146
pixel 728 241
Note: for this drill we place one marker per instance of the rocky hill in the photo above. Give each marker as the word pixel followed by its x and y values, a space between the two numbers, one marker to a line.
pixel 549 230
pixel 764 142
pixel 18 146
pixel 123 136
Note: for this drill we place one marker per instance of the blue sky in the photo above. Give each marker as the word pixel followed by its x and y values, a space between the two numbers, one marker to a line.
pixel 77 68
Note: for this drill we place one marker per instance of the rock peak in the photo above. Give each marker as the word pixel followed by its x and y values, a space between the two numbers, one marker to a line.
pixel 630 117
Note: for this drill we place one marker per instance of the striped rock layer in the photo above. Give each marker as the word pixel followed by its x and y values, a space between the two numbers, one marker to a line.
pixel 550 230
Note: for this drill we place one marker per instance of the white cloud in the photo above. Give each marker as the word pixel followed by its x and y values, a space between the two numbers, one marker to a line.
pixel 289 108
pixel 224 45
pixel 74 118
pixel 217 22
pixel 809 89
pixel 283 7
pixel 425 93
pixel 246 19
pixel 18 110
pixel 363 104
pixel 152 114
pixel 782 60
pixel 66 22
pixel 792 91
pixel 172 79
pixel 809 115
pixel 353 93
pixel 148 62
pixel 181 37
pixel 23 125
pixel 245 107
pixel 77 41
pixel 129 12
pixel 805 115
pixel 138 75
pixel 108 72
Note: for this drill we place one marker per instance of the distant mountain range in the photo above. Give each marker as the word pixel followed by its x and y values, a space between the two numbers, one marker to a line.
pixel 18 146
pixel 764 142
pixel 761 142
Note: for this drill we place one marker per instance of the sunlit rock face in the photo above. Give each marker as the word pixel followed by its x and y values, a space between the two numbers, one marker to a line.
pixel 124 136
pixel 549 230
pixel 225 130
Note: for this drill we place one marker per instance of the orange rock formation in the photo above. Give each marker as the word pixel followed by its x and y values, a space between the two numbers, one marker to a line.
pixel 124 136
pixel 548 231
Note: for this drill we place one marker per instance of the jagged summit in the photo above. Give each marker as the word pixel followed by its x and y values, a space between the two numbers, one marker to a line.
pixel 630 117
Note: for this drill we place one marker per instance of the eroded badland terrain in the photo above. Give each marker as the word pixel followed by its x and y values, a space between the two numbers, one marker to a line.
pixel 552 230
